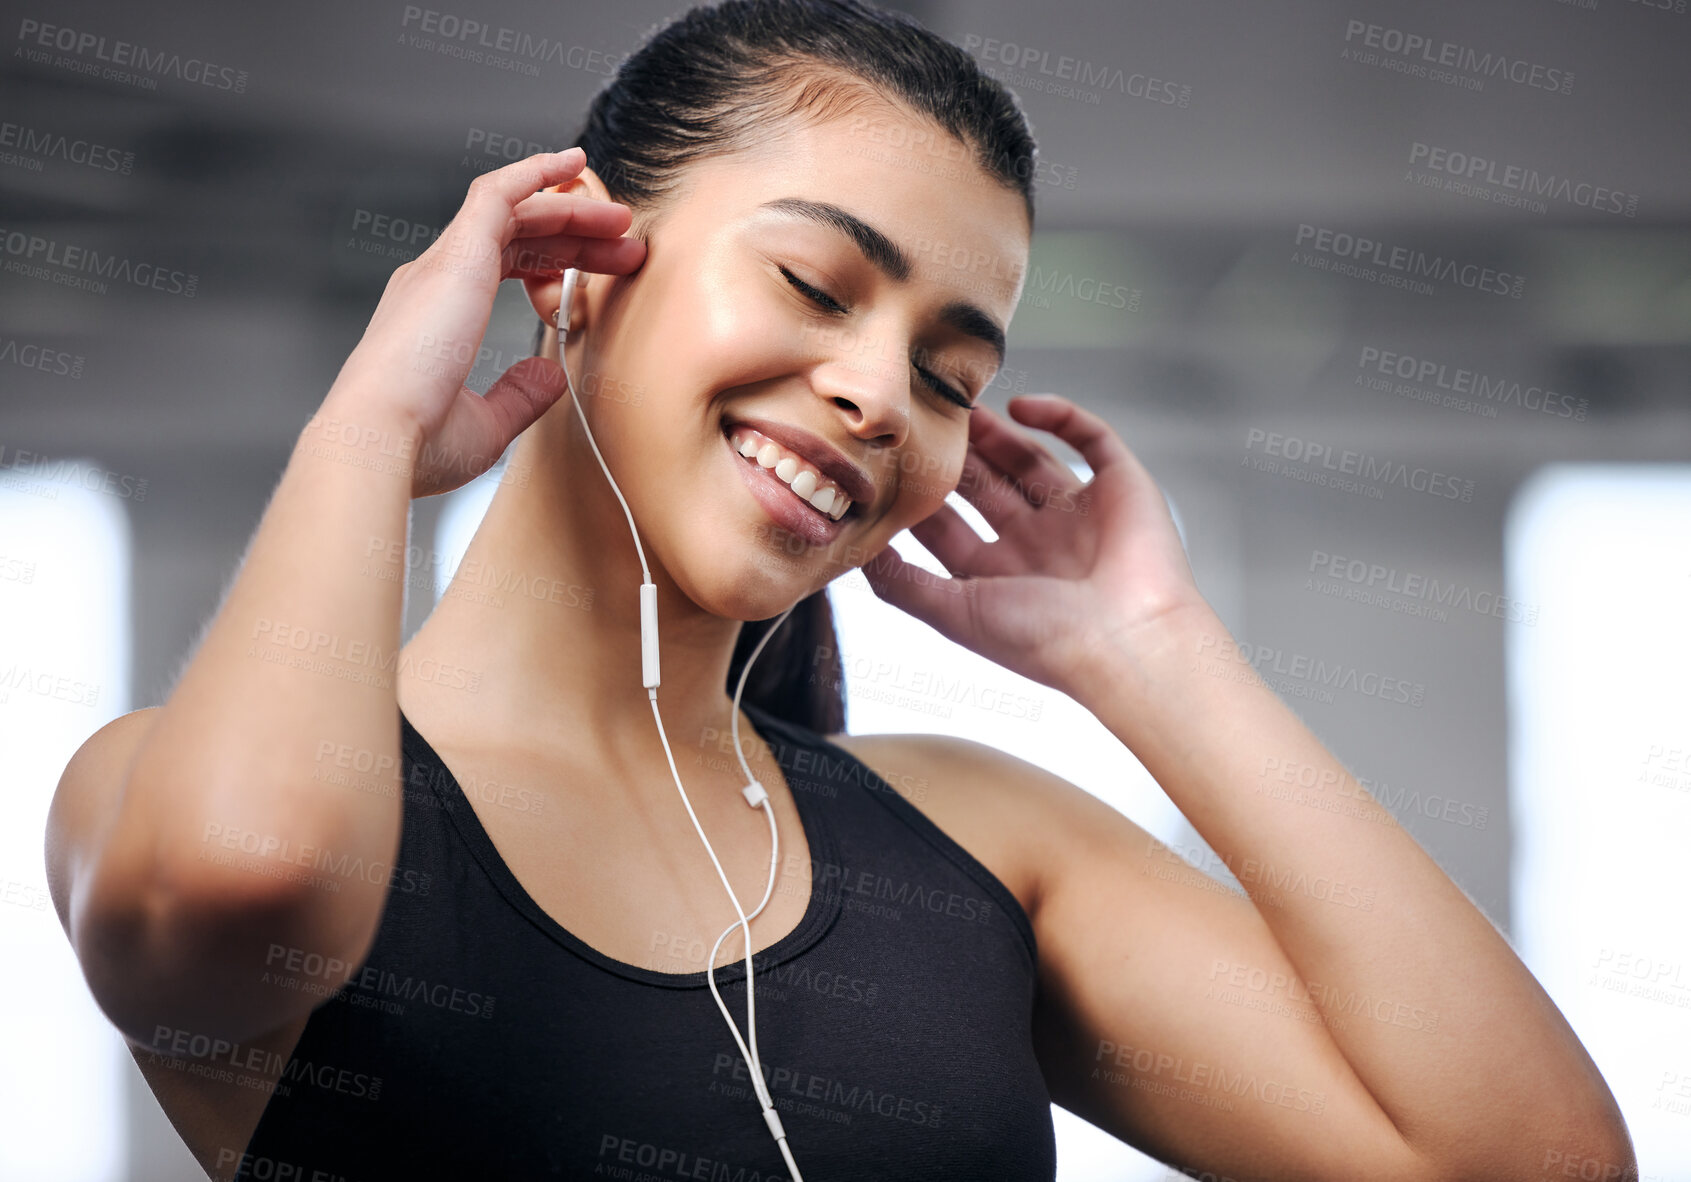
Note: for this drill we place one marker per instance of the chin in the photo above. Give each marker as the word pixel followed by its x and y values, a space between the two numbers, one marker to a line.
pixel 743 577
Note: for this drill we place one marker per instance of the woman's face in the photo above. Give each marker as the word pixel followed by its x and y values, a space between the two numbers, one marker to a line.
pixel 852 281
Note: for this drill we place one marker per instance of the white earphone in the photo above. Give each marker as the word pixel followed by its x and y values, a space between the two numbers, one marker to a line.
pixel 754 792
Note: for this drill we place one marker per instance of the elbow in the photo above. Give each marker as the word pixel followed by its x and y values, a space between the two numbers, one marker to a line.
pixel 160 960
pixel 1586 1149
pixel 114 941
pixel 1602 1153
pixel 1609 1155
pixel 1597 1137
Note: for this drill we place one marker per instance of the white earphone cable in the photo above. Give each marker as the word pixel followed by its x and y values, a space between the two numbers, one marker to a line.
pixel 754 791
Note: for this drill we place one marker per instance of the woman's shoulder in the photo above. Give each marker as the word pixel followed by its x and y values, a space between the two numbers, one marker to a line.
pixel 984 799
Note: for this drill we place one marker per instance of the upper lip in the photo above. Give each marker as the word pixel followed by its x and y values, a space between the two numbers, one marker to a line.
pixel 826 458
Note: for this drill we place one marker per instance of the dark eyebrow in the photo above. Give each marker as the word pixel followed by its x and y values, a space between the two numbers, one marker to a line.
pixel 971 321
pixel 888 258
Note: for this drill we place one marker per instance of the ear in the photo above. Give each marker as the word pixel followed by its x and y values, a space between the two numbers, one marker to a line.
pixel 543 294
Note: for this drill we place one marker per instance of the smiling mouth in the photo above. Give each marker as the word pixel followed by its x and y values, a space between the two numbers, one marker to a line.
pixel 853 509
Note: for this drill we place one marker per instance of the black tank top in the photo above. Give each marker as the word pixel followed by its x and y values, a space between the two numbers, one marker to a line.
pixel 480 1039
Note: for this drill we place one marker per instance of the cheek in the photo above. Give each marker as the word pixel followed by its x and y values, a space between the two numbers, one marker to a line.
pixel 716 326
pixel 728 327
pixel 694 326
pixel 927 474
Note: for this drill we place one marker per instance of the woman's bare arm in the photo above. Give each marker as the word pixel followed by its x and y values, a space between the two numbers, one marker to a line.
pixel 213 847
pixel 253 820
pixel 1444 1028
pixel 1087 589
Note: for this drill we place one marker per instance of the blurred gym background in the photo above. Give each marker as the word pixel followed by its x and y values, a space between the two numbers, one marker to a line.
pixel 1395 301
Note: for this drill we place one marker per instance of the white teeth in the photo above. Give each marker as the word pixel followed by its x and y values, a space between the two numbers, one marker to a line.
pixel 807 484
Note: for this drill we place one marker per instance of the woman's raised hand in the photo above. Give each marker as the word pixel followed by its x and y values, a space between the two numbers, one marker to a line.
pixel 421 343
pixel 1078 565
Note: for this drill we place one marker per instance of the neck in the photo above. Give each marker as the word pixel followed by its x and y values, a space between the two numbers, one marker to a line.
pixel 545 607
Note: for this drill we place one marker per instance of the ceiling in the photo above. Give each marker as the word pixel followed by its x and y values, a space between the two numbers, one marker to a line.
pixel 267 195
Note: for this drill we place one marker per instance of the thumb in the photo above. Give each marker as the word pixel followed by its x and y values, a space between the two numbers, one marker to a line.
pixel 523 393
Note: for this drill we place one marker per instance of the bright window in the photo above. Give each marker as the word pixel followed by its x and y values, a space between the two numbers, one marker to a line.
pixel 1600 777
pixel 64 673
pixel 460 516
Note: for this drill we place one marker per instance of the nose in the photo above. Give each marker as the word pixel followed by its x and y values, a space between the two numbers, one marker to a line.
pixel 870 388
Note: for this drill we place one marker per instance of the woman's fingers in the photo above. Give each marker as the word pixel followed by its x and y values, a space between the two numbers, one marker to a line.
pixel 613 256
pixel 953 541
pixel 555 231
pixel 546 213
pixel 539 258
pixel 493 196
pixel 522 394
pixel 989 489
pixel 1014 454
pixel 1082 430
pixel 897 582
pixel 536 231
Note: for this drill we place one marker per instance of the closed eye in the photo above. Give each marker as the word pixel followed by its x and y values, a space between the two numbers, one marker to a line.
pixel 947 389
pixel 828 303
pixel 820 297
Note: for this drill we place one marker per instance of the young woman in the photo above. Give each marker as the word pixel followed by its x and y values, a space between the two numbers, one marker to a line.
pixel 439 913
